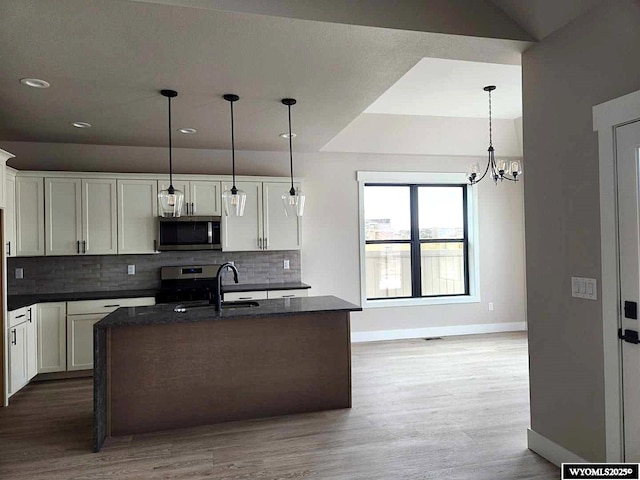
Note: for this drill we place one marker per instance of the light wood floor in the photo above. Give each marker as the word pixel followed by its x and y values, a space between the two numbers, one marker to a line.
pixel 452 409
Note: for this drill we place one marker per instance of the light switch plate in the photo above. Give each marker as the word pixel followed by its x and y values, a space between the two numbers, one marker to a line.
pixel 584 288
pixel 131 269
pixel 286 265
pixel 19 273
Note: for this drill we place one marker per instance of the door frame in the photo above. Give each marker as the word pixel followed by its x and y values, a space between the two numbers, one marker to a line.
pixel 606 117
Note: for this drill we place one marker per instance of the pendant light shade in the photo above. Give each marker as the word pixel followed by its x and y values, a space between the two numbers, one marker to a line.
pixel 497 169
pixel 170 200
pixel 294 199
pixel 233 199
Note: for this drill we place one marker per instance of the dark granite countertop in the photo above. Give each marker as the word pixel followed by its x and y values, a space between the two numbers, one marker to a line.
pixel 165 314
pixel 18 301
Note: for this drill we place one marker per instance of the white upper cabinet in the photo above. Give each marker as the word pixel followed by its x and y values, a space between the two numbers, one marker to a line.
pixel 81 216
pixel 240 234
pixel 137 216
pixel 99 216
pixel 205 198
pixel 281 232
pixel 63 216
pixel 264 225
pixel 29 216
pixel 10 217
pixel 201 197
pixel 4 156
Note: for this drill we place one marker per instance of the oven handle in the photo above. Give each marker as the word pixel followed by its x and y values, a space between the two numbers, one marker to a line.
pixel 210 231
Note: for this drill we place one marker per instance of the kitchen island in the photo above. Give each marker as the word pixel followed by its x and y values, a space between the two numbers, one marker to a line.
pixel 157 369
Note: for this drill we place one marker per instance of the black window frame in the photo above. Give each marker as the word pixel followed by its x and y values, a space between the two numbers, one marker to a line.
pixel 415 242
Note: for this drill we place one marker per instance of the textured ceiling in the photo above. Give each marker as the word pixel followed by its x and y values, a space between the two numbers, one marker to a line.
pixel 107 60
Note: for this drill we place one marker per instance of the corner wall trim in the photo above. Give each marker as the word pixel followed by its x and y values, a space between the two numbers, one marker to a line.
pixel 553 452
pixel 401 334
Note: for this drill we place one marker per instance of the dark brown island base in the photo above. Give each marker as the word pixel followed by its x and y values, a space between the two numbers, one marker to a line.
pixel 157 369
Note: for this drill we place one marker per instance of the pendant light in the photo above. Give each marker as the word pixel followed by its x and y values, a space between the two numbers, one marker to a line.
pixel 170 200
pixel 293 200
pixel 501 169
pixel 233 199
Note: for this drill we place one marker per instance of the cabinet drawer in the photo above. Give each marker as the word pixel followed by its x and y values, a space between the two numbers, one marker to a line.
pixel 256 295
pixel 85 307
pixel 16 317
pixel 304 292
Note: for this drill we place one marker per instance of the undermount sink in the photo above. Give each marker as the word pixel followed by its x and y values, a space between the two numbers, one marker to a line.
pixel 226 305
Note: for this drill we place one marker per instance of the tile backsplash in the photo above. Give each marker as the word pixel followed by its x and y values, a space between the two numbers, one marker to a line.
pixel 88 273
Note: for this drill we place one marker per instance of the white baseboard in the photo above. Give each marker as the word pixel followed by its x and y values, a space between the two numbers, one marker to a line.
pixel 553 452
pixel 377 335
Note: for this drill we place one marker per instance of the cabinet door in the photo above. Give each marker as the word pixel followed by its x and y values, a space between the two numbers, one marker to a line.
pixel 205 198
pixel 63 216
pixel 51 337
pixel 280 231
pixel 137 216
pixel 99 217
pixel 17 358
pixel 32 341
pixel 244 233
pixel 80 340
pixel 10 217
pixel 181 185
pixel 29 216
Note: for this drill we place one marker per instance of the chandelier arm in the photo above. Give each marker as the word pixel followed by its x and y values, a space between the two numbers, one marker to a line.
pixel 510 179
pixel 486 170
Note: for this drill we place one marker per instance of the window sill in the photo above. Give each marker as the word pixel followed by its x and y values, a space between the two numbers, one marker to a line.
pixel 414 302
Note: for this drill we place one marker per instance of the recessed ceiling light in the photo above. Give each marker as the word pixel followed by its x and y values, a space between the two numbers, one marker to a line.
pixel 35 82
pixel 187 131
pixel 286 135
pixel 81 125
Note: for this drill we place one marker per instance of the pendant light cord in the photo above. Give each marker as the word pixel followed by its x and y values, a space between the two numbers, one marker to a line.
pixel 170 149
pixel 293 190
pixel 233 152
pixel 490 126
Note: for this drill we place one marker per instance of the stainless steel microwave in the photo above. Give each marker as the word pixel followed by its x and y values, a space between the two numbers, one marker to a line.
pixel 189 233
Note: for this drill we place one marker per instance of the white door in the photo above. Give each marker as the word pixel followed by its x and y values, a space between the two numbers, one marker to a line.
pixel 29 216
pixel 137 216
pixel 52 338
pixel 80 340
pixel 281 232
pixel 17 357
pixel 205 198
pixel 32 341
pixel 10 217
pixel 244 233
pixel 63 216
pixel 99 217
pixel 628 158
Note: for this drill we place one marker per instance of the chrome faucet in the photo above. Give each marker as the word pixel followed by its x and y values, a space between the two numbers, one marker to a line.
pixel 223 267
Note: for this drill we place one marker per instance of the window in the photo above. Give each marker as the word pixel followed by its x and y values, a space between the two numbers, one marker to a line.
pixel 416 239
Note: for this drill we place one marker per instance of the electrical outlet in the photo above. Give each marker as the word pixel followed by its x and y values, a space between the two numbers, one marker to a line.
pixel 491 306
pixel 131 269
pixel 286 264
pixel 19 272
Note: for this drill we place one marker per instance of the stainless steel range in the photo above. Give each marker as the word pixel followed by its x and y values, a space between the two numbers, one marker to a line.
pixel 192 283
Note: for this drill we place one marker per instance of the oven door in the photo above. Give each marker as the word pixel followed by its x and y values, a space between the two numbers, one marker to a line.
pixel 189 233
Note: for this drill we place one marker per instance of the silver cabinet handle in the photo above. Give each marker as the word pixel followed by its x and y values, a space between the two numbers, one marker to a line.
pixel 265 243
pixel 245 298
pixel 187 205
pixel 288 296
pixel 84 246
pixel 8 249
pixel 109 306
pixel 155 245
pixel 193 208
pixel 15 337
pixel 20 316
pixel 78 246
pixel 260 243
pixel 30 318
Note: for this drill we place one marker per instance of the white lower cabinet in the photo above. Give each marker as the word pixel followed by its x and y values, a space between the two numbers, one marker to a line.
pixel 264 294
pixel 52 339
pixel 81 316
pixel 80 340
pixel 17 357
